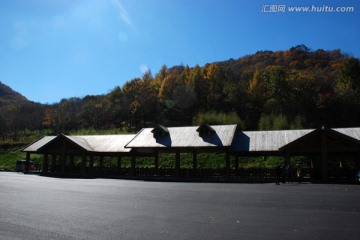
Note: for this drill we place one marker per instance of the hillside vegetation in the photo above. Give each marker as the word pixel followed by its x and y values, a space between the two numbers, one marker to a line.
pixel 296 88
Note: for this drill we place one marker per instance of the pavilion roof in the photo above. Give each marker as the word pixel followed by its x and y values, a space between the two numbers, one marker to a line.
pixel 206 136
pixel 35 146
pixel 265 141
pixel 90 143
pixel 183 137
pixel 351 132
pixel 103 143
pixel 275 141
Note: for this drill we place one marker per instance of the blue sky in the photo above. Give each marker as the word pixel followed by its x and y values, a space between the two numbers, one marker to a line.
pixel 54 49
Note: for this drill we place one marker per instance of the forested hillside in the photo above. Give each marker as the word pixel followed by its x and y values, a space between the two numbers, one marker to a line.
pixel 18 114
pixel 297 88
pixel 7 95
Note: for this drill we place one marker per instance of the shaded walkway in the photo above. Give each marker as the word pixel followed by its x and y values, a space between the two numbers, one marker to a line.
pixel 329 150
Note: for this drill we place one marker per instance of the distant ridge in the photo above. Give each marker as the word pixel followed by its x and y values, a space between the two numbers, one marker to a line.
pixel 287 89
pixel 8 95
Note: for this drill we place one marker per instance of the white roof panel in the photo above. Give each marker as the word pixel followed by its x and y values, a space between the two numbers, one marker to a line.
pixel 184 137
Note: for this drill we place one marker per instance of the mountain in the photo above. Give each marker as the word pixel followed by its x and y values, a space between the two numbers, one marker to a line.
pixel 295 88
pixel 18 113
pixel 9 96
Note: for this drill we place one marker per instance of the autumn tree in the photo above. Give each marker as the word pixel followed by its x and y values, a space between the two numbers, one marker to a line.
pixel 214 79
pixel 350 77
pixel 348 90
pixel 276 89
pixel 256 89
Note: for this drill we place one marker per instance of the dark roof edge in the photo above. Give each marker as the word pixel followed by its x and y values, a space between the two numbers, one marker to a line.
pixel 126 145
pixel 22 150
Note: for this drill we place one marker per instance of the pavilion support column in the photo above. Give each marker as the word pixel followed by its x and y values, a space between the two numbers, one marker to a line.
pixel 236 163
pixel 63 162
pixel 285 170
pixel 313 166
pixel 91 165
pixel 133 165
pixel 27 163
pixel 324 165
pixel 45 165
pixel 156 162
pixel 63 158
pixel 83 165
pixel 53 163
pixel 194 162
pixel 101 164
pixel 227 164
pixel 119 162
pixel 177 163
pixel 71 164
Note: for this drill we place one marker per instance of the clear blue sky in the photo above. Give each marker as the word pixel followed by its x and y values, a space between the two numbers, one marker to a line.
pixel 54 49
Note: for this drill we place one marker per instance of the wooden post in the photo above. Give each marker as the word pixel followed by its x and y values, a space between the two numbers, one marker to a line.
pixel 263 173
pixel 119 164
pixel 286 167
pixel 101 164
pixel 63 162
pixel 27 163
pixel 227 164
pixel 91 165
pixel 53 163
pixel 194 163
pixel 71 164
pixel 177 163
pixel 83 165
pixel 63 157
pixel 236 163
pixel 45 165
pixel 324 167
pixel 156 162
pixel 133 165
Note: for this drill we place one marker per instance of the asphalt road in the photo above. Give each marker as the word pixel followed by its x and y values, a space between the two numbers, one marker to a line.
pixel 34 207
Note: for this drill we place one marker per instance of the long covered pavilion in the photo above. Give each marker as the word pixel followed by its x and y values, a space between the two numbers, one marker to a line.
pixel 65 149
pixel 204 138
pixel 324 146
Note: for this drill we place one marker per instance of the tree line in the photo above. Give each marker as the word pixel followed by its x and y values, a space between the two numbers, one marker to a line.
pixel 296 88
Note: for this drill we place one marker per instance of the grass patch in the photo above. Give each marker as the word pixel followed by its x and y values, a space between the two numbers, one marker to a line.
pixel 8 159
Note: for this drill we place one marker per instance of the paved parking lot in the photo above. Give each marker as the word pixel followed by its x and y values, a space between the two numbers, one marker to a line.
pixel 34 207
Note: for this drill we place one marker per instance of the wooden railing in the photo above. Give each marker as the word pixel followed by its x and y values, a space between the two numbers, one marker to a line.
pixel 241 173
